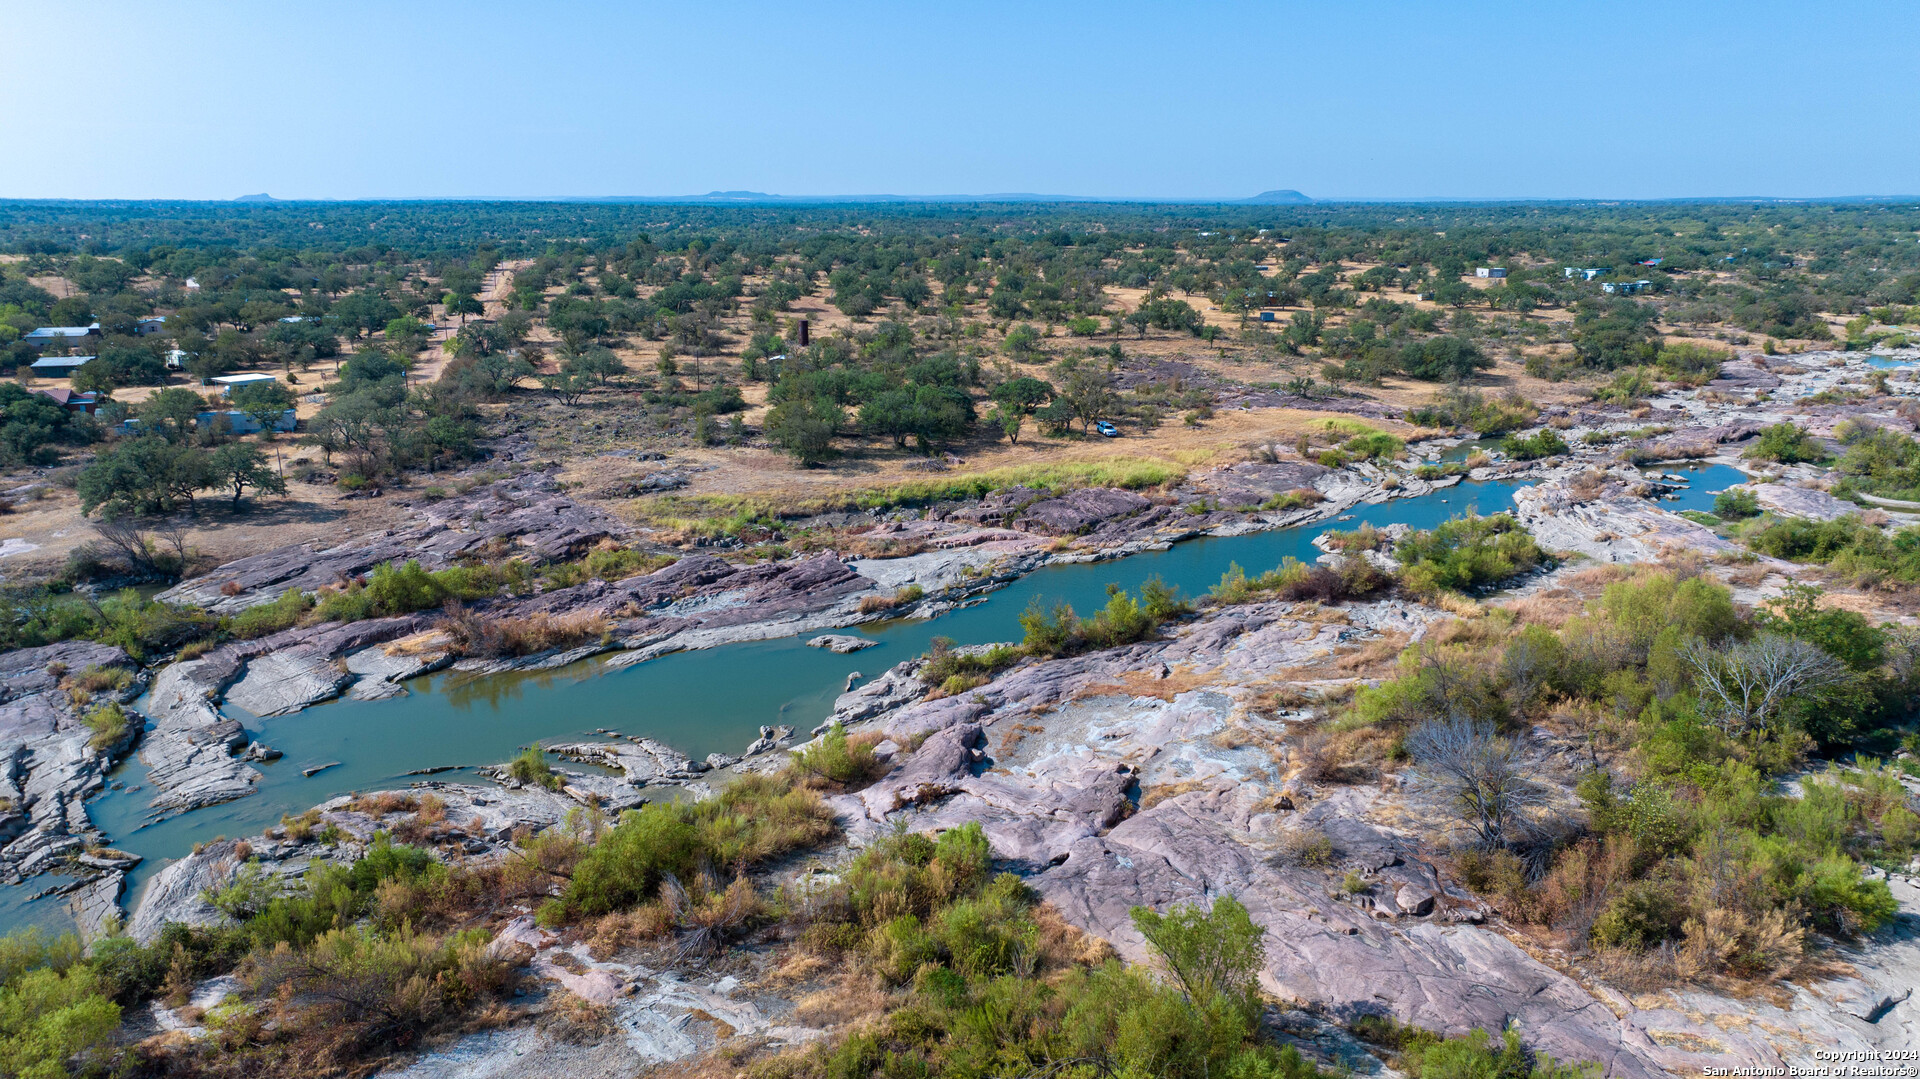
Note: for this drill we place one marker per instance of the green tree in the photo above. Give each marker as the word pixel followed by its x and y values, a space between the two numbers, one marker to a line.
pixel 151 474
pixel 48 1016
pixel 265 402
pixel 804 427
pixel 1088 393
pixel 30 425
pixel 241 465
pixel 172 413
pixel 1213 954
pixel 463 306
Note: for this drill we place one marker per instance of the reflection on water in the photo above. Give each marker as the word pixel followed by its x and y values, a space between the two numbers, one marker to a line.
pixel 712 700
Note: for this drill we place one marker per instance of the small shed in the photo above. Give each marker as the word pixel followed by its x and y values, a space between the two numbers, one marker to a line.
pixel 1490 271
pixel 255 378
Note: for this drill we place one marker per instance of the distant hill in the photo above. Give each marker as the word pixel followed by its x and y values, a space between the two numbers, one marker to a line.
pixel 262 197
pixel 1284 197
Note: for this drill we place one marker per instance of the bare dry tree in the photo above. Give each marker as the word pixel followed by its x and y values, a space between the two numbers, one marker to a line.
pixel 1481 774
pixel 1746 685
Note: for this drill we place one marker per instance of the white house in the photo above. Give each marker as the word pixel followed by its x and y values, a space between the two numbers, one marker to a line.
pixel 1490 271
pixel 150 324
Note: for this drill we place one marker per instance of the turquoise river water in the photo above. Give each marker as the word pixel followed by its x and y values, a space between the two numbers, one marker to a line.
pixel 713 700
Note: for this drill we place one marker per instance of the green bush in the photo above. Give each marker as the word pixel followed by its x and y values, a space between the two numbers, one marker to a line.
pixel 1852 548
pixel 531 769
pixel 1467 552
pixel 836 760
pixel 1377 446
pixel 1788 444
pixel 753 819
pixel 1545 442
pixel 283 613
pixel 108 724
pixel 1736 505
pixel 49 1015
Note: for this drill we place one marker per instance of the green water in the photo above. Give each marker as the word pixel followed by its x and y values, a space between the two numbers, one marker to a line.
pixel 699 702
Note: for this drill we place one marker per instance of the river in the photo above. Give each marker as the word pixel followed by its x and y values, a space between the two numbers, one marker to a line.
pixel 712 700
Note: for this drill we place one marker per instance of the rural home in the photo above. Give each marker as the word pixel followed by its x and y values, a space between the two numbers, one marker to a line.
pixel 69 400
pixel 68 335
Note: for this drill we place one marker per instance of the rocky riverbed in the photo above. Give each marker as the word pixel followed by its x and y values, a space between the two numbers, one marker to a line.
pixel 1148 774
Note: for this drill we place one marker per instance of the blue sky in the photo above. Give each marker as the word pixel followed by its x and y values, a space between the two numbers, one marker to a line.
pixel 1623 99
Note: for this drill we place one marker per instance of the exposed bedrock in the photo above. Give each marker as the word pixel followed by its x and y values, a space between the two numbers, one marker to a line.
pixel 49 762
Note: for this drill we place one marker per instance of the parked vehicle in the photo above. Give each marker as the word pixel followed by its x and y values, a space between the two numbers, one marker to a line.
pixel 1107 429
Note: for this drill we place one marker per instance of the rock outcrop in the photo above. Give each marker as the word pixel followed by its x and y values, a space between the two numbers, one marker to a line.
pixel 528 513
pixel 49 763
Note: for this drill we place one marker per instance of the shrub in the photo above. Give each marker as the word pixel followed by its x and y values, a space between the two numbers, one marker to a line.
pixel 1047 630
pixel 1736 505
pixel 1298 498
pixel 1690 364
pixel 946 663
pixel 839 761
pixel 51 1014
pixel 1467 552
pixel 1461 406
pixel 1545 442
pixel 474 634
pixel 531 769
pixel 1630 387
pixel 903 597
pixel 1788 444
pixel 283 613
pixel 108 724
pixel 1375 446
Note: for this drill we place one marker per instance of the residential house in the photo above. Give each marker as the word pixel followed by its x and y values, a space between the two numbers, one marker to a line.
pixel 69 400
pixel 150 325
pixel 1490 271
pixel 71 336
pixel 240 423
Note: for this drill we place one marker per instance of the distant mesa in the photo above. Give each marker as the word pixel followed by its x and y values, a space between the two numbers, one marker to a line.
pixel 755 195
pixel 1283 197
pixel 262 197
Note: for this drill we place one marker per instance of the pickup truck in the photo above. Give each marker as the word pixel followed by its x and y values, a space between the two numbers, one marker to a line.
pixel 1106 429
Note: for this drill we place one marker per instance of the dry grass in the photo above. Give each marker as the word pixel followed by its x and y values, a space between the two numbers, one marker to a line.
pixel 850 997
pixel 1160 792
pixel 1344 757
pixel 1552 608
pixel 471 634
pixel 1590 580
pixel 1181 679
pixel 1376 658
pixel 615 933
pixel 386 802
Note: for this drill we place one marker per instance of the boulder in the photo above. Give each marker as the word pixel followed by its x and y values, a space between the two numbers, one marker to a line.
pixel 841 643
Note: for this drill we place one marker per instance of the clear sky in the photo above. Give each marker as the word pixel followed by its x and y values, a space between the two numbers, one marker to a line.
pixel 1344 98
